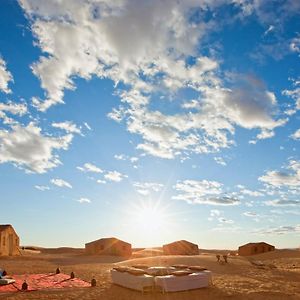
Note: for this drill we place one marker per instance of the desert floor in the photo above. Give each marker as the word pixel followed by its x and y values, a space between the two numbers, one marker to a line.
pixel 276 275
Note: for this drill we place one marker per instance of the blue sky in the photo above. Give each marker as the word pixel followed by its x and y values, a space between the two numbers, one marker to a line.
pixel 150 121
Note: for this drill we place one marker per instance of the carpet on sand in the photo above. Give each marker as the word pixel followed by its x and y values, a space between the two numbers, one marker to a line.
pixel 43 281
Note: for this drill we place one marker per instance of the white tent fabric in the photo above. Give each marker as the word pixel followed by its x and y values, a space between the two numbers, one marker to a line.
pixel 135 282
pixel 171 283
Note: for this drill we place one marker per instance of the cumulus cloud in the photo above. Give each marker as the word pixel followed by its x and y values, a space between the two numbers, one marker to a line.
pixel 83 200
pixel 251 193
pixel 114 176
pixel 12 108
pixel 203 192
pixel 68 126
pixel 147 47
pixel 294 93
pixel 290 177
pixel 61 183
pixel 5 77
pixel 26 147
pixel 296 135
pixel 88 167
pixel 145 188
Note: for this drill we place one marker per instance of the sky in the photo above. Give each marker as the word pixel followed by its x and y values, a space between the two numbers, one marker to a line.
pixel 150 121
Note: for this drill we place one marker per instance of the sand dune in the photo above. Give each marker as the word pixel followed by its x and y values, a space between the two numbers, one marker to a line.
pixel 239 279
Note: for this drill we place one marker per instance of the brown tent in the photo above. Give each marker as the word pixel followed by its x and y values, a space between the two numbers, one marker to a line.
pixel 181 248
pixel 9 241
pixel 109 246
pixel 255 248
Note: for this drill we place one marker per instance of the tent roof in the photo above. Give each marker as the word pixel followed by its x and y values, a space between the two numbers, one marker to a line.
pixel 255 244
pixel 181 242
pixel 110 240
pixel 4 227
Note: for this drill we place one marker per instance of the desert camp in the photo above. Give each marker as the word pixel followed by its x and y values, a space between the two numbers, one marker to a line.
pixel 150 149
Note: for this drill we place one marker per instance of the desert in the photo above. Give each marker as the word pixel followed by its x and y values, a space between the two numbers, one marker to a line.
pixel 273 275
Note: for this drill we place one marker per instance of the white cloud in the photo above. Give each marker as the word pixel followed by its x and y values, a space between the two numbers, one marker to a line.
pixel 28 148
pixel 290 177
pixel 203 192
pixel 120 157
pixel 251 193
pixel 101 181
pixel 87 126
pixel 42 187
pixel 68 126
pixel 144 188
pixel 61 183
pixel 14 108
pixel 84 200
pixel 114 176
pixel 226 221
pixel 283 202
pixel 147 48
pixel 5 77
pixel 250 214
pixel 220 161
pixel 10 107
pixel 215 213
pixel 88 167
pixel 294 94
pixel 279 230
pixel 296 135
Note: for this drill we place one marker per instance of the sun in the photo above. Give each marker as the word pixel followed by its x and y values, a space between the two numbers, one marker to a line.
pixel 150 218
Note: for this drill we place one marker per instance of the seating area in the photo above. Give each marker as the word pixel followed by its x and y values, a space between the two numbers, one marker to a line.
pixel 34 282
pixel 165 279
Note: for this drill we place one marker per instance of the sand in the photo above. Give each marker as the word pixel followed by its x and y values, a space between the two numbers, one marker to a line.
pixel 274 275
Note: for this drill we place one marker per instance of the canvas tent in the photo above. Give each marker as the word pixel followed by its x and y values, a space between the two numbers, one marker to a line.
pixel 9 241
pixel 109 246
pixel 255 248
pixel 182 247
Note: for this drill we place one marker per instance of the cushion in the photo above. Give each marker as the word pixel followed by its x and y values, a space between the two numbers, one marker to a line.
pixel 160 271
pixel 140 266
pixel 121 268
pixel 134 271
pixel 181 273
pixel 180 266
pixel 197 268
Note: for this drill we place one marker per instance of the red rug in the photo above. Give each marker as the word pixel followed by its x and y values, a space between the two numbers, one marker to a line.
pixel 43 281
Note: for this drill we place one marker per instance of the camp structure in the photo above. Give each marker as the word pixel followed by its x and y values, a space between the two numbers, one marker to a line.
pixel 109 246
pixel 255 248
pixel 9 241
pixel 181 248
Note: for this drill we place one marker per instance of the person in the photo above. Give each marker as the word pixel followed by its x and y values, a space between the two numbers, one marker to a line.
pixel 218 257
pixel 225 258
